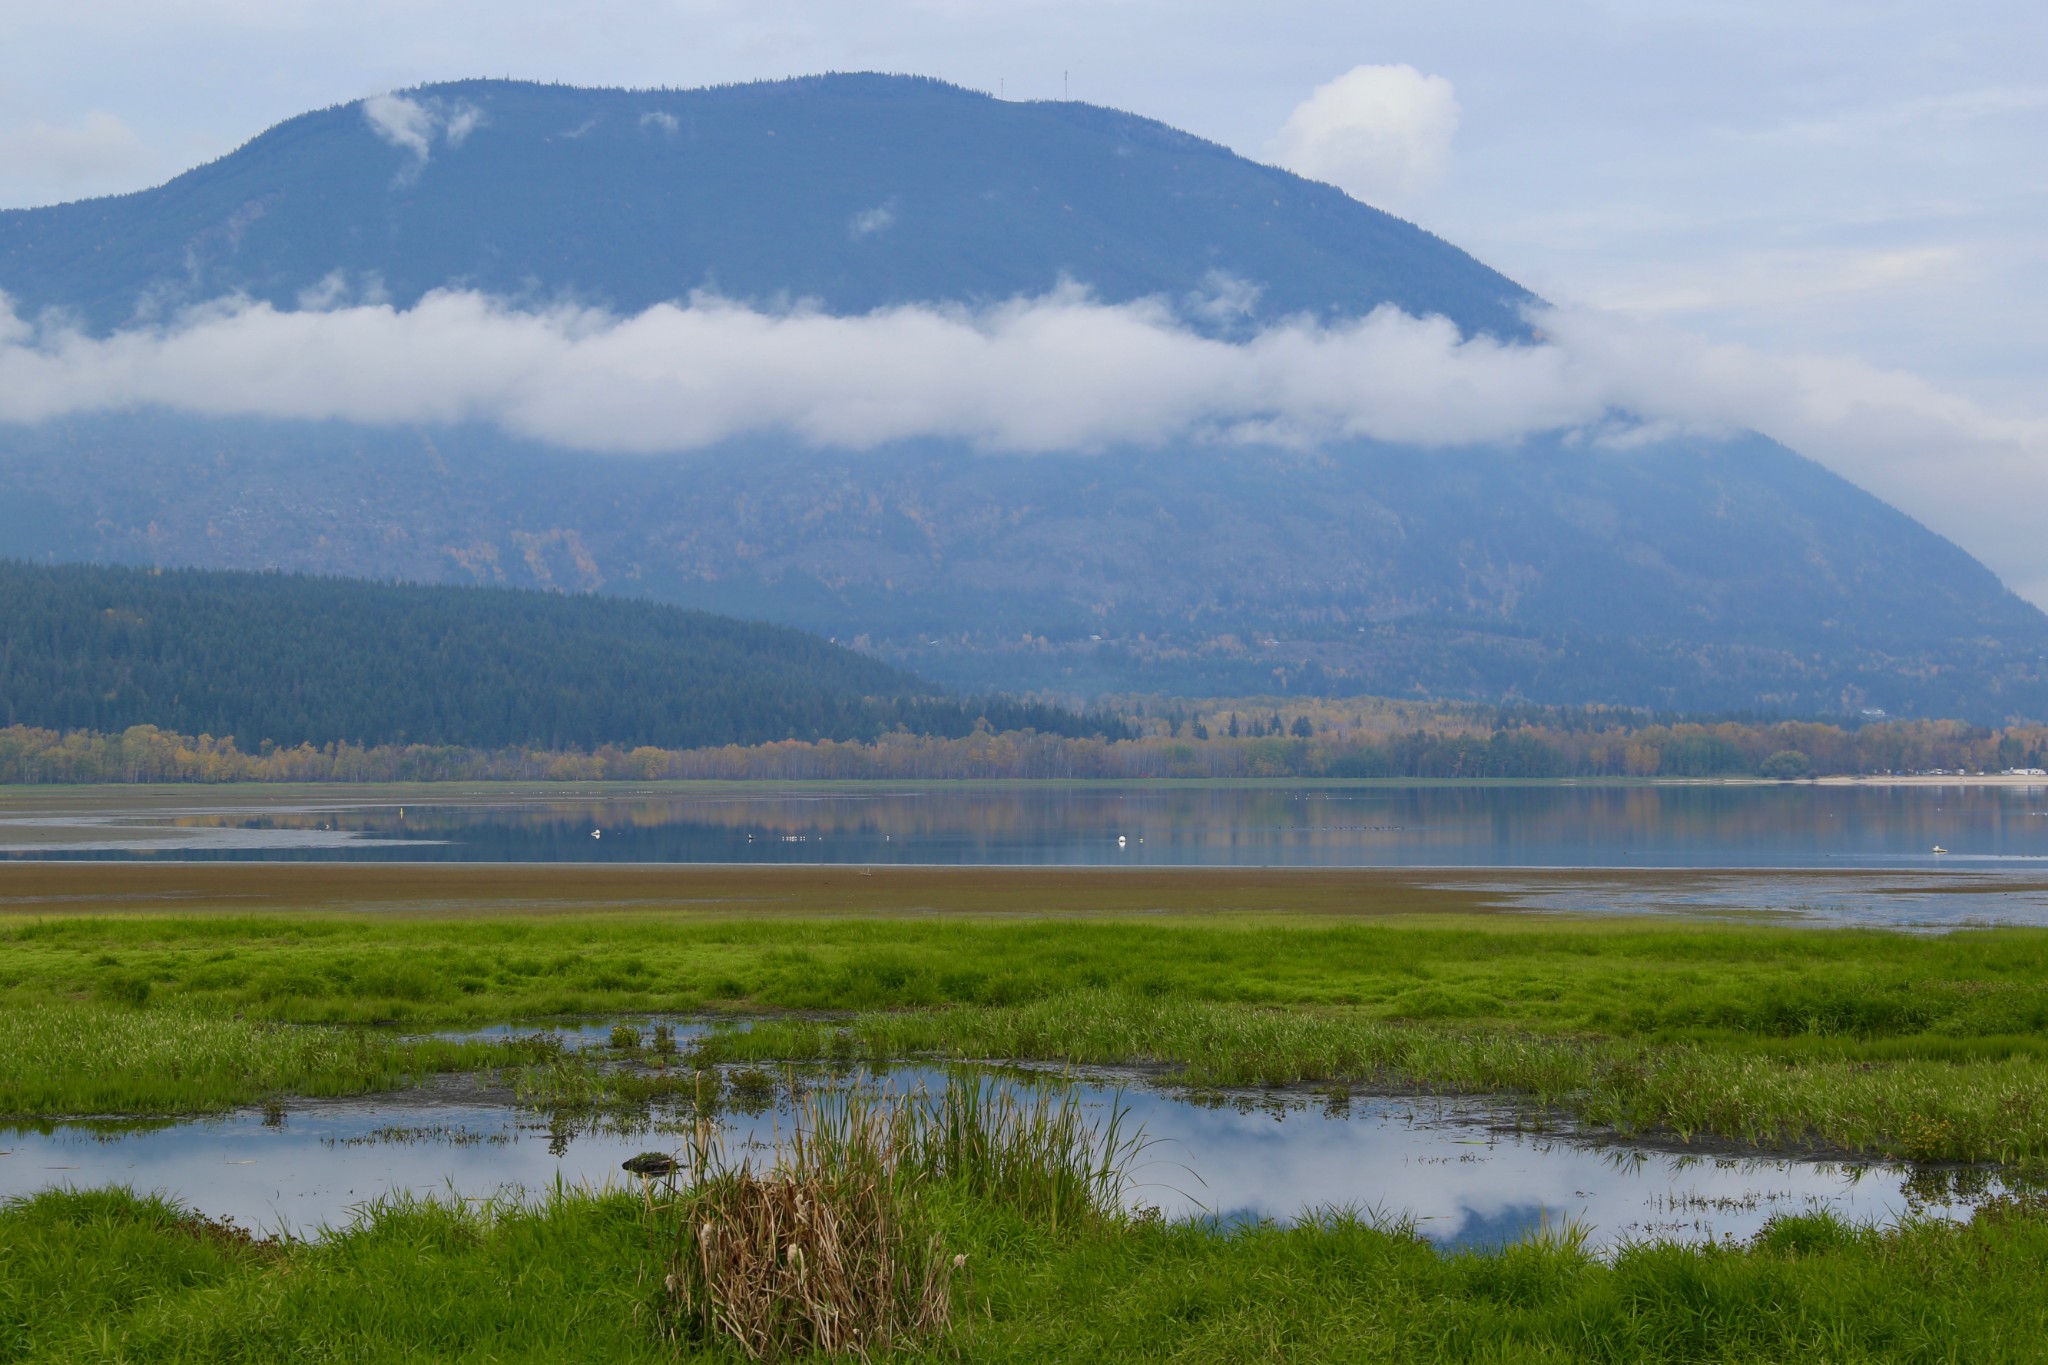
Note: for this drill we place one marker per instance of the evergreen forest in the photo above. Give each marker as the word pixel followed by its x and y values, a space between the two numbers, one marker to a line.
pixel 274 659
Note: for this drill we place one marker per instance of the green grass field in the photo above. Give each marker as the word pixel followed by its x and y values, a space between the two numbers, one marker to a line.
pixel 1925 1046
pixel 108 1277
pixel 163 990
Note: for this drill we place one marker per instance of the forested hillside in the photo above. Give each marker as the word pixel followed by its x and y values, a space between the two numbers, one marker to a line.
pixel 854 191
pixel 286 659
pixel 1556 572
pixel 1694 571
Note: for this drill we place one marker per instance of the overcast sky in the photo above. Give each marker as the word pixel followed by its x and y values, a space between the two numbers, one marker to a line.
pixel 1841 180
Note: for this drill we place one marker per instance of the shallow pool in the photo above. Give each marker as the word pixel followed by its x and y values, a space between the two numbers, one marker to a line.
pixel 1467 1172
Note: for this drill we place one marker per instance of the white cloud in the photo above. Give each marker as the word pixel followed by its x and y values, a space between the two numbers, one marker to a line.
pixel 1379 133
pixel 1975 476
pixel 869 222
pixel 465 119
pixel 100 147
pixel 1061 372
pixel 660 118
pixel 406 124
pixel 412 125
pixel 1052 373
pixel 1223 299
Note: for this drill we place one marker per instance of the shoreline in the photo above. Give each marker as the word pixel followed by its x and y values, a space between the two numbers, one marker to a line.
pixel 71 887
pixel 373 793
pixel 1924 780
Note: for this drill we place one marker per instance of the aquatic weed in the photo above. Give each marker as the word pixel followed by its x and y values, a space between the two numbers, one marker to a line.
pixel 1990 1110
pixel 89 1058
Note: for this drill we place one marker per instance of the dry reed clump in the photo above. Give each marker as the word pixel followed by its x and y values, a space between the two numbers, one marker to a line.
pixel 825 1252
pixel 829 1250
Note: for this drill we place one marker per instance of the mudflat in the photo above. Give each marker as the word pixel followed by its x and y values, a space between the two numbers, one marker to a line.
pixel 436 889
pixel 40 888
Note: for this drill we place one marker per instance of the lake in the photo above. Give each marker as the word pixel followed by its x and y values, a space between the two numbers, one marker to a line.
pixel 1554 825
pixel 1737 839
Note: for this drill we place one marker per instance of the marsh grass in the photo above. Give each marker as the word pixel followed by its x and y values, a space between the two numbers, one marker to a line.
pixel 1994 1111
pixel 105 1276
pixel 827 1250
pixel 1030 1148
pixel 1852 993
pixel 1931 1049
pixel 831 1246
pixel 93 1059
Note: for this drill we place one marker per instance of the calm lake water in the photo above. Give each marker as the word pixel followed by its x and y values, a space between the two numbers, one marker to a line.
pixel 1556 826
pixel 1466 1172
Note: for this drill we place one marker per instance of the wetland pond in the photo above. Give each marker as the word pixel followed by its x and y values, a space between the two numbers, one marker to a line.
pixel 1469 1172
pixel 1753 846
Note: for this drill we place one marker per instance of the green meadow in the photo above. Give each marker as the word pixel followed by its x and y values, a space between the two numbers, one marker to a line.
pixel 237 986
pixel 107 1276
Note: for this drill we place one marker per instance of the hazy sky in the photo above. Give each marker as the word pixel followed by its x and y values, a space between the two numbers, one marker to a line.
pixel 1835 180
pixel 1849 175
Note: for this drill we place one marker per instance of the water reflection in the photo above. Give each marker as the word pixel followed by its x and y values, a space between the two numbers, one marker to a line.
pixel 1467 1173
pixel 1702 826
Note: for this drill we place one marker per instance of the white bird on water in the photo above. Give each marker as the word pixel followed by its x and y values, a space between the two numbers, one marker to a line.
pixel 597 834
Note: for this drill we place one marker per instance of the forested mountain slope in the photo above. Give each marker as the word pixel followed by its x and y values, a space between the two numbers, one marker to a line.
pixel 1690 576
pixel 1694 572
pixel 291 658
pixel 852 190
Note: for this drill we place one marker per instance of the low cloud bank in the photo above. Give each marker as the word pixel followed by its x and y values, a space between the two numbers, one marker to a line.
pixel 1060 372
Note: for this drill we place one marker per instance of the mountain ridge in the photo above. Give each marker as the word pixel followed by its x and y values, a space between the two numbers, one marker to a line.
pixel 271 221
pixel 1688 572
pixel 1562 573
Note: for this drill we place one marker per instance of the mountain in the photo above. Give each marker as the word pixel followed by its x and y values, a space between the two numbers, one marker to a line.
pixel 1690 572
pixel 1691 575
pixel 292 659
pixel 857 191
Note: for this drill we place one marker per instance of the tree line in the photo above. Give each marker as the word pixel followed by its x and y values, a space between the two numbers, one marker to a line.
pixel 286 660
pixel 1725 749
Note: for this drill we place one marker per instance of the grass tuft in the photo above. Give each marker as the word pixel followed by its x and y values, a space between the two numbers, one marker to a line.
pixel 833 1249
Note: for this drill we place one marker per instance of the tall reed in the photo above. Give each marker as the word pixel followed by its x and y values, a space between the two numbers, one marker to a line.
pixel 830 1248
pixel 1030 1148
